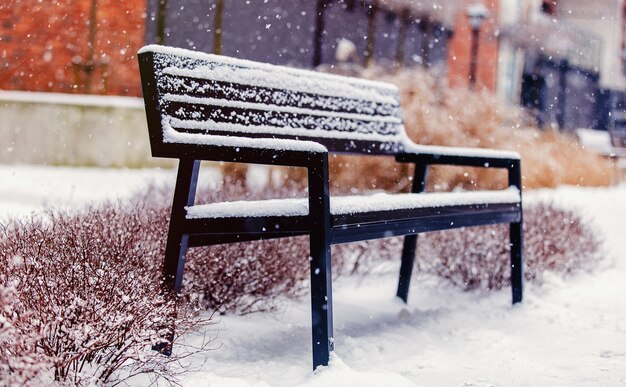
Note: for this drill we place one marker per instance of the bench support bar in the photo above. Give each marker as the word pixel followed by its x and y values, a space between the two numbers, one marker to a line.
pixel 321 276
pixel 177 241
pixel 410 241
pixel 516 237
pixel 517 269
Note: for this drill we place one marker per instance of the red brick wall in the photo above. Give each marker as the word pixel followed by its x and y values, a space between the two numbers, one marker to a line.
pixel 43 43
pixel 460 48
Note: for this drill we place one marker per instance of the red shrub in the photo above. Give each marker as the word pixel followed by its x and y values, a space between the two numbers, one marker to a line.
pixel 88 291
pixel 478 257
pixel 20 362
pixel 81 292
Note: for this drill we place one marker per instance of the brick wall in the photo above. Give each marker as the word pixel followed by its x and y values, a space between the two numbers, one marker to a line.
pixel 44 46
pixel 459 50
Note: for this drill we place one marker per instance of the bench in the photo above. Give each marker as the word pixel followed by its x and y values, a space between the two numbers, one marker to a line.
pixel 602 143
pixel 209 107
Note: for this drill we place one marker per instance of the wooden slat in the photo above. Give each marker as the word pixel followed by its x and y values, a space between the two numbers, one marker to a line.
pixel 195 114
pixel 449 218
pixel 221 96
pixel 197 87
pixel 363 218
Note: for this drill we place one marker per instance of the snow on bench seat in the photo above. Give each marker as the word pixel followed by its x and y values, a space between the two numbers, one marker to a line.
pixel 342 205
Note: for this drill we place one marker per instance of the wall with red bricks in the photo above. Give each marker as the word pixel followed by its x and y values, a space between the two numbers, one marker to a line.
pixel 44 46
pixel 459 50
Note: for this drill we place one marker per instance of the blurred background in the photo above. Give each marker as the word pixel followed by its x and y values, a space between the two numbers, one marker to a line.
pixel 544 77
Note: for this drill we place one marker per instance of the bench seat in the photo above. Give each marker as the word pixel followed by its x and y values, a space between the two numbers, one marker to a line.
pixel 354 204
pixel 352 218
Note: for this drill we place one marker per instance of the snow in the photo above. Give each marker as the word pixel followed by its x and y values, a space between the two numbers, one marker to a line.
pixel 570 331
pixel 372 111
pixel 284 109
pixel 169 123
pixel 410 146
pixel 351 204
pixel 293 80
pixel 598 141
pixel 345 50
pixel 265 70
pixel 30 189
pixel 280 101
pixel 171 135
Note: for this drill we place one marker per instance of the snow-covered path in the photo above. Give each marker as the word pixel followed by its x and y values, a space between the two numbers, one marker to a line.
pixel 568 332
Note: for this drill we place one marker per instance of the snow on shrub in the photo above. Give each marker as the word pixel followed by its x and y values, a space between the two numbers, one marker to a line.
pixel 89 287
pixel 86 295
pixel 20 362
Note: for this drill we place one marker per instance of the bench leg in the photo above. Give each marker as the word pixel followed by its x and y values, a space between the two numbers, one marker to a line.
pixel 321 299
pixel 410 241
pixel 406 266
pixel 177 242
pixel 321 279
pixel 517 261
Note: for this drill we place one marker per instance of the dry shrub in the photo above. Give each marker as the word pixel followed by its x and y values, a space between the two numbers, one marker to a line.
pixel 435 114
pixel 558 240
pixel 20 362
pixel 87 292
pixel 245 277
pixel 555 240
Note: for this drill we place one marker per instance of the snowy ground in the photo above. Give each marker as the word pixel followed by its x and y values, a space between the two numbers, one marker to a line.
pixel 568 332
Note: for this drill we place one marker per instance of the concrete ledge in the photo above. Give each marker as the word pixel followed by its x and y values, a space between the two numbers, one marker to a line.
pixel 75 130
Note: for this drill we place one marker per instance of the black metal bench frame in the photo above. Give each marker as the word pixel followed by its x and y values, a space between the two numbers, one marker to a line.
pixel 323 227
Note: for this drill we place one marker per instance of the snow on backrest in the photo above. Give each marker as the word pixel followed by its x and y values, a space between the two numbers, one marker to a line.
pixel 217 95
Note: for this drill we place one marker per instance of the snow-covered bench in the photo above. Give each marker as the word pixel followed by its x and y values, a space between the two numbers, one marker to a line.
pixel 207 107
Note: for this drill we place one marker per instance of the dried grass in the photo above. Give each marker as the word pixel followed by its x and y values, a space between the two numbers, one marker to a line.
pixel 435 114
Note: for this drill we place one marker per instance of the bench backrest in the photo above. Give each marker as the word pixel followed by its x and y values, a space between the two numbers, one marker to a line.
pixel 191 92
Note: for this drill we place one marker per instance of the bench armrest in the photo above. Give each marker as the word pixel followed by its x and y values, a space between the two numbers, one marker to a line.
pixel 270 151
pixel 471 157
pixel 425 155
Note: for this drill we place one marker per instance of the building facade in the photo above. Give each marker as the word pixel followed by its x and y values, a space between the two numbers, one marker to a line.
pixel 304 33
pixel 563 60
pixel 89 46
